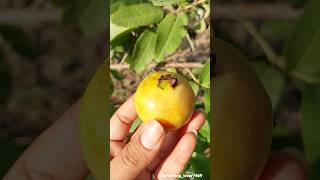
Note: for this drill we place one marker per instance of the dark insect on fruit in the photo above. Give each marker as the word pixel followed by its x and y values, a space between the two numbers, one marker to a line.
pixel 168 77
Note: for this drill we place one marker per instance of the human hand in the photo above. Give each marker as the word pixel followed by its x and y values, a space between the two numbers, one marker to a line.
pixel 133 161
pixel 151 151
pixel 56 153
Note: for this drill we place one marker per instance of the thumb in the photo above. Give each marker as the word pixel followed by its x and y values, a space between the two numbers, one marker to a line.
pixel 138 153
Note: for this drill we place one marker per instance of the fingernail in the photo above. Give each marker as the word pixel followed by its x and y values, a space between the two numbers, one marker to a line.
pixel 151 134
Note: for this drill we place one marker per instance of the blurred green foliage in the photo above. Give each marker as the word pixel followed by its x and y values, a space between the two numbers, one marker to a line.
pixel 90 15
pixel 300 53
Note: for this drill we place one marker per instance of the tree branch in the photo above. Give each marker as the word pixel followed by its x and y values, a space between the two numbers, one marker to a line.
pixel 272 56
pixel 255 11
pixel 29 16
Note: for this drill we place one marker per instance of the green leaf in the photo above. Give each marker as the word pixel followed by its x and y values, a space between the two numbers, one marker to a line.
pixel 202 143
pixel 195 87
pixel 116 75
pixel 170 33
pixel 117 4
pixel 207 100
pixel 123 42
pixel 94 111
pixel 137 15
pixel 196 71
pixel 206 7
pixel 116 30
pixel 172 70
pixel 143 52
pixel 94 18
pixel 205 75
pixel 272 80
pixel 310 122
pixel 309 63
pixel 205 131
pixel 165 2
pixel 301 49
pixel 276 29
pixel 200 27
pixel 201 165
pixel 135 124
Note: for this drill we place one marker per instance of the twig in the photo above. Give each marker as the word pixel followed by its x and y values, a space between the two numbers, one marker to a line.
pixel 275 59
pixel 190 42
pixel 305 77
pixel 192 76
pixel 29 17
pixel 256 11
pixel 166 65
pixel 124 58
pixel 272 56
pixel 195 3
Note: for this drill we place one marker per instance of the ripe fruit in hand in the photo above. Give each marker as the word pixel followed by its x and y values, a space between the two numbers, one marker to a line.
pixel 242 117
pixel 165 97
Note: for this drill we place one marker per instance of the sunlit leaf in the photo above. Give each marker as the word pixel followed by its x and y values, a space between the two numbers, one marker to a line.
pixel 135 124
pixel 205 75
pixel 302 47
pixel 170 33
pixel 207 100
pixel 195 87
pixel 137 15
pixel 116 4
pixel 144 51
pixel 116 30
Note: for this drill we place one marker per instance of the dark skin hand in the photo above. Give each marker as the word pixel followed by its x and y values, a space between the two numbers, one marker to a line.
pixel 56 153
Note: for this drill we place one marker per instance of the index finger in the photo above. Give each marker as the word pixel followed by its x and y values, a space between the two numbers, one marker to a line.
pixel 122 120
